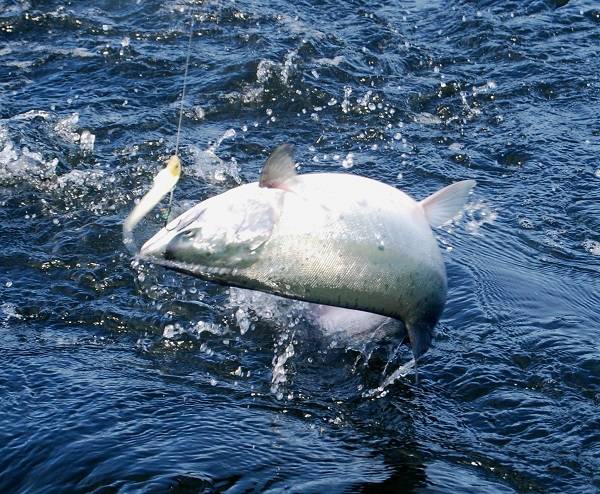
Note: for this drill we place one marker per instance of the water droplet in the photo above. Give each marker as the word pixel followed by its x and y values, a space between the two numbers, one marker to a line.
pixel 592 246
pixel 348 161
pixel 86 141
pixel 526 223
pixel 243 321
pixel 169 331
pixel 199 113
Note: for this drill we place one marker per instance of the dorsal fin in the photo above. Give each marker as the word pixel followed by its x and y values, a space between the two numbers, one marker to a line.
pixel 446 203
pixel 279 169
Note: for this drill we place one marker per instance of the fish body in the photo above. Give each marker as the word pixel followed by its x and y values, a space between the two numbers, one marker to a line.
pixel 330 238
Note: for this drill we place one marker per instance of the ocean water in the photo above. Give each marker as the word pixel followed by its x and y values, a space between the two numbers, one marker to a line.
pixel 119 376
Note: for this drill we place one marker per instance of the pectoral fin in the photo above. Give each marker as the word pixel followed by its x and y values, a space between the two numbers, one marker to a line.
pixel 279 170
pixel 446 203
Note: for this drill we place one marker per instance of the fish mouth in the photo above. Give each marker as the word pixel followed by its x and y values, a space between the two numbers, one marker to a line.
pixel 155 248
pixel 158 251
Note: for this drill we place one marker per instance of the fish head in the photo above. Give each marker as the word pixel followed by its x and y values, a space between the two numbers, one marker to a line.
pixel 223 233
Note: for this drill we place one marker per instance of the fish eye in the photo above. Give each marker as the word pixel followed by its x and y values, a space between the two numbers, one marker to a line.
pixel 189 234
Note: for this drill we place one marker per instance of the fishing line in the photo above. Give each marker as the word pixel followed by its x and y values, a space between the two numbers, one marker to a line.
pixel 166 179
pixel 185 75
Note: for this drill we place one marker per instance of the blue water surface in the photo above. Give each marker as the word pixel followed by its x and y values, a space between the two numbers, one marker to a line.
pixel 118 376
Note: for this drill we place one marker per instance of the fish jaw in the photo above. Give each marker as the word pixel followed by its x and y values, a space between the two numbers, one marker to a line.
pixel 224 231
pixel 156 246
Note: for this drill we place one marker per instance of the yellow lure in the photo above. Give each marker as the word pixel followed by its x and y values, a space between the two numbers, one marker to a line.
pixel 164 182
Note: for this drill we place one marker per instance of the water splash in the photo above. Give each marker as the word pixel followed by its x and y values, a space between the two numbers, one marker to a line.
pixel 66 128
pixel 348 161
pixel 208 166
pixel 382 390
pixel 267 72
pixel 86 141
pixel 592 246
pixel 478 214
pixel 284 350
pixel 19 165
pixel 267 69
pixel 8 311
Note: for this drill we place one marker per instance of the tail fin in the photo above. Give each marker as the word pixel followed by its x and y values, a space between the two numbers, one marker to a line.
pixel 420 336
pixel 446 203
